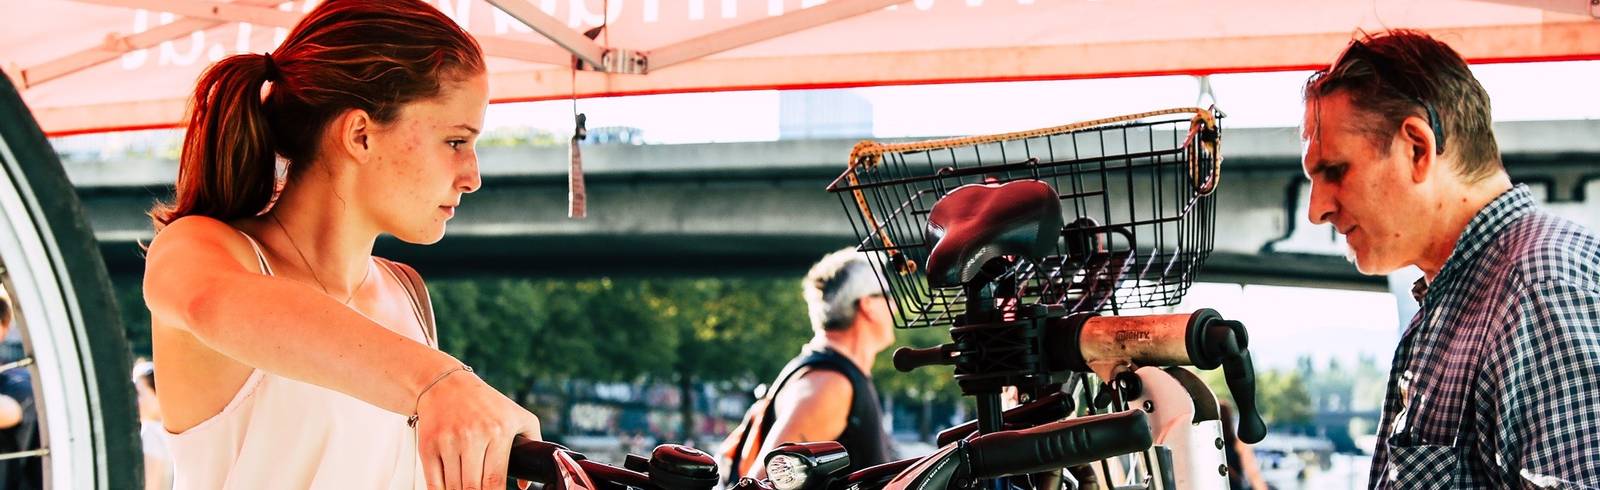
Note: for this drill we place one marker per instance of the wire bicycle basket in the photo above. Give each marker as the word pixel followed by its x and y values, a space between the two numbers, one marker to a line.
pixel 1136 201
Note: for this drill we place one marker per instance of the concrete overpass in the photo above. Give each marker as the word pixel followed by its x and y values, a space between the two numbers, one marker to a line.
pixel 725 208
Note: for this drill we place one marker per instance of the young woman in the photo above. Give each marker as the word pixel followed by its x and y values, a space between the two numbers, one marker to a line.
pixel 290 357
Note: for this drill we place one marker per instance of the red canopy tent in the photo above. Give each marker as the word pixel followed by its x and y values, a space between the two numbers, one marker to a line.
pixel 105 65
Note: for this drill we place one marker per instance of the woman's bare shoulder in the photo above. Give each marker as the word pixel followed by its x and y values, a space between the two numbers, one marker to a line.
pixel 200 239
pixel 193 227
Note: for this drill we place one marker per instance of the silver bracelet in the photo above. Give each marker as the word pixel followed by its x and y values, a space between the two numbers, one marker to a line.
pixel 412 420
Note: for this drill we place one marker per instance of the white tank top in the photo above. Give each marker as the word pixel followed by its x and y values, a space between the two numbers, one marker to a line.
pixel 281 433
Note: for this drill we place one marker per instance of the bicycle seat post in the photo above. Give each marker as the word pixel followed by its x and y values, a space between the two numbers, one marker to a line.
pixel 984 293
pixel 990 419
pixel 981 293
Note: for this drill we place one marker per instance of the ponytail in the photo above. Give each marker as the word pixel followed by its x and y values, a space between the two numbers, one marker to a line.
pixel 228 166
pixel 371 55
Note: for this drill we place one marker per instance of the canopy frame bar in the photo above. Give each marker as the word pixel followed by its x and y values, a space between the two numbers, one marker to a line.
pixel 1578 7
pixel 571 40
pixel 116 45
pixel 756 31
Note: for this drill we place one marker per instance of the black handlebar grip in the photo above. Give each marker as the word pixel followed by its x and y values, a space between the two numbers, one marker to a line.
pixel 907 358
pixel 1225 343
pixel 1052 407
pixel 1058 445
pixel 1241 375
pixel 532 460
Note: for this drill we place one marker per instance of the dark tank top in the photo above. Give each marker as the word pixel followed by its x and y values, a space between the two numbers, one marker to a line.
pixel 863 436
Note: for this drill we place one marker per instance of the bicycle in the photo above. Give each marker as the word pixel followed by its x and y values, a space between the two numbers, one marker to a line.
pixel 1018 243
pixel 982 245
pixel 819 465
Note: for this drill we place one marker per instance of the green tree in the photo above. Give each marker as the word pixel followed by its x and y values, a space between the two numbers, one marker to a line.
pixel 630 343
pixel 1282 397
pixel 521 332
pixel 736 331
pixel 1371 382
pixel 923 387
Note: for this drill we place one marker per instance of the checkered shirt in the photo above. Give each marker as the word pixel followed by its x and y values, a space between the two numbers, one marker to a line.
pixel 1496 382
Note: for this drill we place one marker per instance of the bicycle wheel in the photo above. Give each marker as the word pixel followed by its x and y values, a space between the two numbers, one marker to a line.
pixel 74 343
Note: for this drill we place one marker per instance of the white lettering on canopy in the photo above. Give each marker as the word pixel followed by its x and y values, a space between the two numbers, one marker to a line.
pixel 197 47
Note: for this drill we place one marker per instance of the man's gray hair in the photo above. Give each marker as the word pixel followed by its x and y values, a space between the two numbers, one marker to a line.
pixel 835 284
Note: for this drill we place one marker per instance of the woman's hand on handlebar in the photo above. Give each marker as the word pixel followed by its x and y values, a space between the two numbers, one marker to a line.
pixel 464 431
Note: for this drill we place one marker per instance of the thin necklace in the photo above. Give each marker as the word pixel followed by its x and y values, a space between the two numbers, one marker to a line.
pixel 314 270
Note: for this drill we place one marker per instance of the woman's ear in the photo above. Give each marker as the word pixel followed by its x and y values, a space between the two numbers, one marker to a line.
pixel 353 131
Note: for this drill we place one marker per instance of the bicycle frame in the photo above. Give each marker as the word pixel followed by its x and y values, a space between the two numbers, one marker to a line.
pixel 1017 274
pixel 1022 309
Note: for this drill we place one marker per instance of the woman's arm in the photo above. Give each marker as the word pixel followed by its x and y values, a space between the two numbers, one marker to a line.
pixel 195 282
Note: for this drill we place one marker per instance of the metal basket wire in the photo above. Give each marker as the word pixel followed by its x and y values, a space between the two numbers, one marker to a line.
pixel 1136 197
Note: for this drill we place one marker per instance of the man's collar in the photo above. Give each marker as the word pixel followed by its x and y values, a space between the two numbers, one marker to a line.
pixel 1484 227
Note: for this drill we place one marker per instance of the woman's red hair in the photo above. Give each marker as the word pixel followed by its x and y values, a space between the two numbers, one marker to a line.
pixel 372 55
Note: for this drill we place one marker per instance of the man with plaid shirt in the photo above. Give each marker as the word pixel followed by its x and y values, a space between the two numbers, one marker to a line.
pixel 1495 381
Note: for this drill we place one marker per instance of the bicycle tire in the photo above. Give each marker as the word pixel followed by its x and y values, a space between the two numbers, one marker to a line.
pixel 71 327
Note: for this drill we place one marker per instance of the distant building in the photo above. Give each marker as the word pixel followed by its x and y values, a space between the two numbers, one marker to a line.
pixel 820 114
pixel 624 135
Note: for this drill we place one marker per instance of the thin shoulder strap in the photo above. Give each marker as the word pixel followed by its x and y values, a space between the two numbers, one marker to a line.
pixel 421 304
pixel 261 259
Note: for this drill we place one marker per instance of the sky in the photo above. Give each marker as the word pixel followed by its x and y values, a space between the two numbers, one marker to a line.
pixel 1518 92
pixel 1286 323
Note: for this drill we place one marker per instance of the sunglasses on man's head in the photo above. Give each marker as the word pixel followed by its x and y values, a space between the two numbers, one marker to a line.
pixel 1384 67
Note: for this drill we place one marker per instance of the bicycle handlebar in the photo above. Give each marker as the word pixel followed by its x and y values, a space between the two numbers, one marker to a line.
pixel 1085 341
pixel 1058 445
pixel 1202 339
pixel 1046 447
pixel 1049 408
pixel 536 461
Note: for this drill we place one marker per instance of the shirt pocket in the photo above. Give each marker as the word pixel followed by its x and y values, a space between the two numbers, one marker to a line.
pixel 1422 467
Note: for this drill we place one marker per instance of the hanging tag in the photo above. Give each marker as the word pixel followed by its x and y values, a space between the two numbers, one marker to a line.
pixel 576 196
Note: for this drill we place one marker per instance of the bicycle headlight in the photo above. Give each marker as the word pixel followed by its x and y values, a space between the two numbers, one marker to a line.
pixel 787 471
pixel 806 465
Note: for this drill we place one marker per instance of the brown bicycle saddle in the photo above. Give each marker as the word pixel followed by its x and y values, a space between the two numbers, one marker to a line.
pixel 977 223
